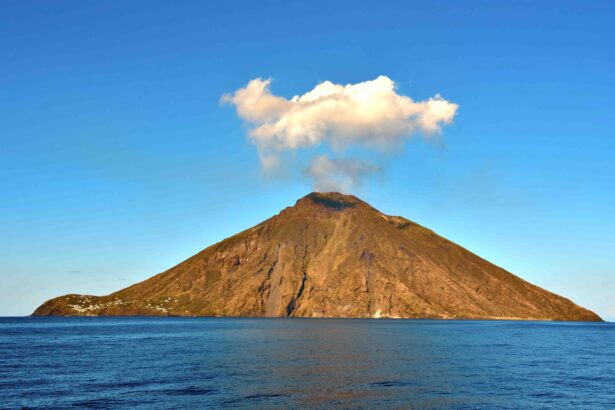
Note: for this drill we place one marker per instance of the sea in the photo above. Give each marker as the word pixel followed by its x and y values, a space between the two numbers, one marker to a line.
pixel 202 363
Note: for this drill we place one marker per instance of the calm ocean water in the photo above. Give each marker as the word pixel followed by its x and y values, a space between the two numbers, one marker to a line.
pixel 277 363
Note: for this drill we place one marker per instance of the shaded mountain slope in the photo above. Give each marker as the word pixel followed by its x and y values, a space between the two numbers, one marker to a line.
pixel 331 255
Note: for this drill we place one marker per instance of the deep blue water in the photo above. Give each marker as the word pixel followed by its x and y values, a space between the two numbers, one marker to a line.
pixel 323 363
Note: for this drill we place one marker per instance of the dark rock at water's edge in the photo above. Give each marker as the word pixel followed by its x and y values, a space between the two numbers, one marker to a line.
pixel 331 255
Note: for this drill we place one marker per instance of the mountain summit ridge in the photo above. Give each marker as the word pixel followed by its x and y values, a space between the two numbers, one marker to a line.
pixel 331 255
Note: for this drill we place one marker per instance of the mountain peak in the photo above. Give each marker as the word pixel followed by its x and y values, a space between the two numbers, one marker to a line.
pixel 334 201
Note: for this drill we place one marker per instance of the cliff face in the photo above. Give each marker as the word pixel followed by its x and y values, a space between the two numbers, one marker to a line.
pixel 331 255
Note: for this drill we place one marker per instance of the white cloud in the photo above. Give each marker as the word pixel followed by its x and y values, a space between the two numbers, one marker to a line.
pixel 367 114
pixel 340 174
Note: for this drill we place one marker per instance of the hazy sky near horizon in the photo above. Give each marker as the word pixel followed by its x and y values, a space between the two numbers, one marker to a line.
pixel 118 160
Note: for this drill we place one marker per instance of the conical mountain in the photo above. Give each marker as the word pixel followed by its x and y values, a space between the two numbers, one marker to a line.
pixel 331 255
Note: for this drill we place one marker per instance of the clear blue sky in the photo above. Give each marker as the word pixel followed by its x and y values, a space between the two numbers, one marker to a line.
pixel 117 160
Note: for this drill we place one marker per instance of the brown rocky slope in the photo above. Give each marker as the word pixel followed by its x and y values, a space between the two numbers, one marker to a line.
pixel 331 255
